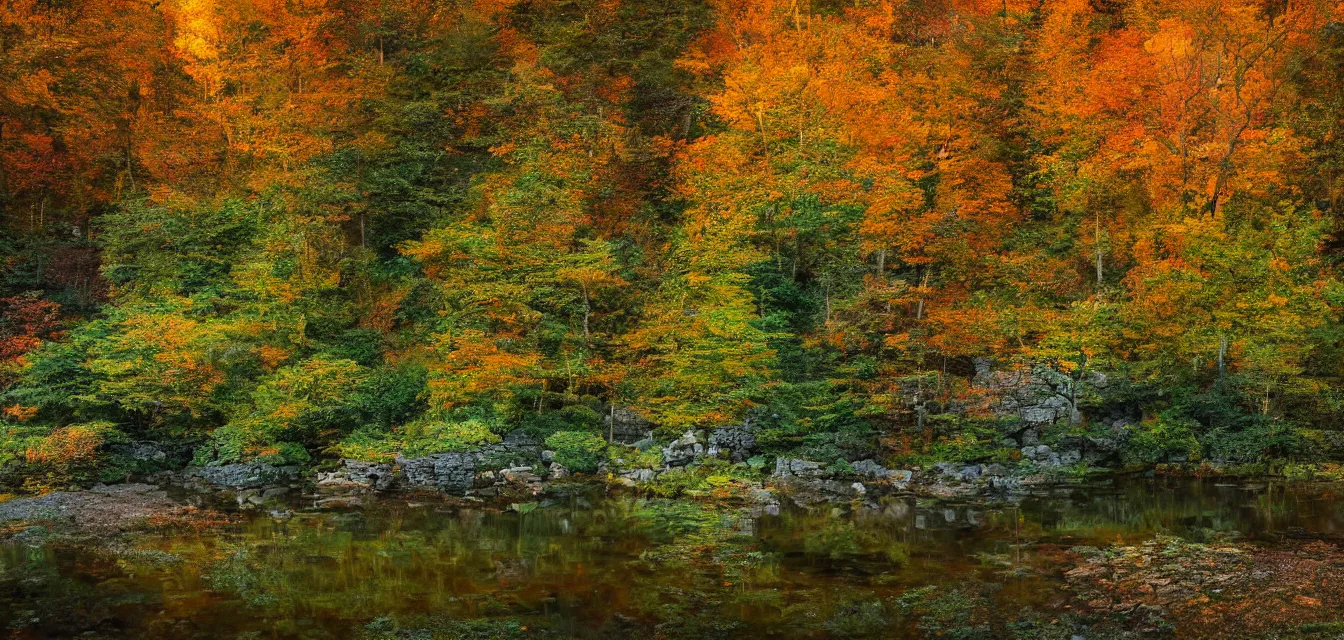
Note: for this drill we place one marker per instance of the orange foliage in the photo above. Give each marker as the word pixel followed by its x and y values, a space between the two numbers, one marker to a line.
pixel 66 446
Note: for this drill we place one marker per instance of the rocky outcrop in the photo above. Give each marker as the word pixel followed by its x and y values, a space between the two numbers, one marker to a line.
pixel 1048 458
pixel 1037 395
pixel 521 481
pixel 1107 440
pixel 144 457
pixel 454 472
pixel 952 479
pixel 684 450
pixel 516 448
pixel 148 453
pixel 244 475
pixel 807 482
pixel 377 476
pixel 808 492
pixel 798 468
pixel 871 469
pixel 625 426
pixel 640 475
pixel 735 442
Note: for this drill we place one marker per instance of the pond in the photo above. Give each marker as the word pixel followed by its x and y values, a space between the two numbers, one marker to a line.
pixel 589 565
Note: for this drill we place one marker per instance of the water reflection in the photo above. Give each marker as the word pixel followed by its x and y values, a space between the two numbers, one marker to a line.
pixel 620 566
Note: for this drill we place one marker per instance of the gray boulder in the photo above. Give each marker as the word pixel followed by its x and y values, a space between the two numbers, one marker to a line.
pixel 808 492
pixel 871 469
pixel 737 442
pixel 957 471
pixel 640 475
pixel 626 426
pixel 245 475
pixel 1046 457
pixel 1070 457
pixel 796 468
pixel 143 452
pixel 1038 395
pixel 684 450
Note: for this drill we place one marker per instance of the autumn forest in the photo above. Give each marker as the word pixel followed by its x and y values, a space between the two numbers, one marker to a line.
pixel 306 230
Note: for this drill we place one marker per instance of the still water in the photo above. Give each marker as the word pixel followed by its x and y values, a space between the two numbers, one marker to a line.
pixel 621 566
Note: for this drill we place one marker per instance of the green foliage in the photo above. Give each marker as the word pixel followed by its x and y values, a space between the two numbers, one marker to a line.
pixel 185 251
pixel 1163 439
pixel 677 482
pixel 579 451
pixel 391 396
pixel 1259 439
pixel 419 438
pixel 957 439
pixel 634 458
pixel 1299 472
pixel 571 417
pixel 861 619
pixel 289 408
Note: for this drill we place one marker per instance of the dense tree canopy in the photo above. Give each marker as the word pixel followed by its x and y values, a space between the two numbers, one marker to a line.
pixel 322 227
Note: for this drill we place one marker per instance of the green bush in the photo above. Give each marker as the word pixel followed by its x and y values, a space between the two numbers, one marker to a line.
pixel 574 417
pixel 579 451
pixel 675 483
pixel 1162 440
pixel 1299 472
pixel 287 453
pixel 419 438
pixel 1255 440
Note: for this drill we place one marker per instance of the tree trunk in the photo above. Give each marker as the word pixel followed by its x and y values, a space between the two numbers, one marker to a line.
pixel 1222 356
pixel 587 312
pixel 1100 273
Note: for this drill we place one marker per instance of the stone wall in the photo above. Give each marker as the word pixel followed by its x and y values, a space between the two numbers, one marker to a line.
pixel 244 475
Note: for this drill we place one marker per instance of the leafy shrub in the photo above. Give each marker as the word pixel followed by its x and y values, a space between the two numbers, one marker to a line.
pixel 286 453
pixel 858 619
pixel 579 451
pixel 72 445
pixel 1299 472
pixel 1257 439
pixel 951 614
pixel 675 483
pixel 959 439
pixel 574 417
pixel 290 405
pixel 66 455
pixel 15 440
pixel 391 396
pixel 420 438
pixel 633 458
pixel 1162 440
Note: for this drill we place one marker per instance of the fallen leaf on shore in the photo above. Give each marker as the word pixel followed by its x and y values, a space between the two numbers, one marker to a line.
pixel 1306 601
